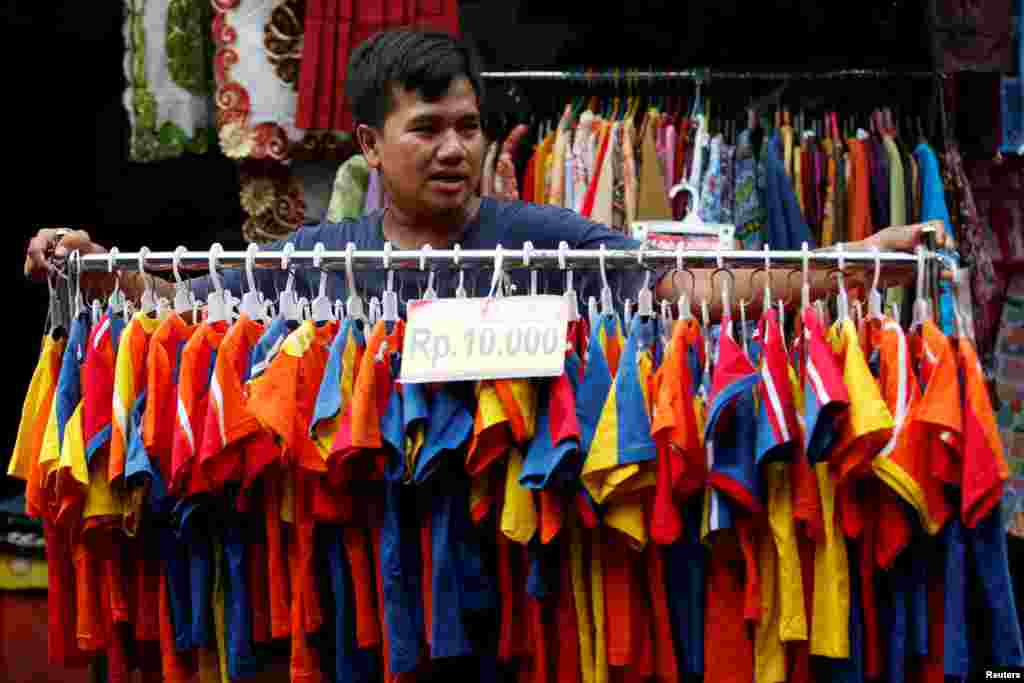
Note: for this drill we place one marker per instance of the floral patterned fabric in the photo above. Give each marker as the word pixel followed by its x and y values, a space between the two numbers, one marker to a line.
pixel 255 67
pixel 167 65
pixel 1009 386
pixel 750 214
pixel 273 199
pixel 971 232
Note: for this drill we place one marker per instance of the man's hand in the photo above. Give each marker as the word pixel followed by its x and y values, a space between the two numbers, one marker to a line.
pixel 56 244
pixel 906 238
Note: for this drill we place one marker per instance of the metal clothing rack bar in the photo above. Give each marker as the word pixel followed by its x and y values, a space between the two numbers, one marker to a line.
pixel 627 75
pixel 511 259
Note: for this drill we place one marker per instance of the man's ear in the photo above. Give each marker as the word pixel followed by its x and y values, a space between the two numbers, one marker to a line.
pixel 367 138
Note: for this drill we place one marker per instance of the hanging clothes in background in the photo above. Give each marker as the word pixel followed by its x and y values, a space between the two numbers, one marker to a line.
pixel 814 185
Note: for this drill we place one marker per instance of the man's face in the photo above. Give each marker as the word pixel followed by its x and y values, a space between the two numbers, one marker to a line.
pixel 430 153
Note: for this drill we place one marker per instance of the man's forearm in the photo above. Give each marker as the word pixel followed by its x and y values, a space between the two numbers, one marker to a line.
pixel 132 284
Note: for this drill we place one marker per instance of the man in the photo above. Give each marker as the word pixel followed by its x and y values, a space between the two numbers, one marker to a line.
pixel 417 98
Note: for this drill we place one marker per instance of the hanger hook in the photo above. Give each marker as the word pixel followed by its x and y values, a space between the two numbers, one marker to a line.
pixel 601 262
pixel 111 256
pixel 286 256
pixel 175 261
pixel 215 252
pixel 76 268
pixel 424 252
pixel 499 262
pixel 878 269
pixel 387 266
pixel 143 254
pixel 350 278
pixel 250 264
pixel 460 290
pixel 318 256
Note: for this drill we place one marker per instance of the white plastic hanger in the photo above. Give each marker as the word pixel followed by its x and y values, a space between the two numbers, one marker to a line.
pixel 782 319
pixel 116 299
pixel 527 251
pixel 692 223
pixel 460 290
pixel 163 308
pixel 645 298
pixel 685 309
pixel 570 292
pixel 183 298
pixel 287 301
pixel 805 287
pixel 842 300
pixel 705 329
pixel 875 296
pixel 216 302
pixel 375 312
pixel 496 278
pixel 607 302
pixel 593 313
pixel 922 305
pixel 726 301
pixel 97 312
pixel 321 305
pixel 429 294
pixel 339 309
pixel 667 321
pixel 958 317
pixel 354 303
pixel 75 281
pixel 743 326
pixel 55 314
pixel 252 300
pixel 148 301
pixel 389 302
pixel 767 305
pixel 627 312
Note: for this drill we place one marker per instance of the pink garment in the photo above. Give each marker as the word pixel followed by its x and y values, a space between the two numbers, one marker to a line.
pixel 670 157
pixel 505 185
pixel 487 181
pixel 660 147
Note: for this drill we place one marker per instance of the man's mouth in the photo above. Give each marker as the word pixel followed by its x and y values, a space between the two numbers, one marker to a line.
pixel 448 182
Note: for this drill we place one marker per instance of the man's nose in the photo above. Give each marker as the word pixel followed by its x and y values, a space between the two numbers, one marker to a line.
pixel 452 147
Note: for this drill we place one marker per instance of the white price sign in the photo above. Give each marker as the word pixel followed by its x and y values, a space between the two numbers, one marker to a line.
pixel 449 340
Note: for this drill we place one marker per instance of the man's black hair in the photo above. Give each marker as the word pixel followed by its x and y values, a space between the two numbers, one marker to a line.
pixel 420 61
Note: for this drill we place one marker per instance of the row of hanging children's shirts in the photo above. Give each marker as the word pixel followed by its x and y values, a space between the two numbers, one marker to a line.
pixel 812 508
pixel 779 185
